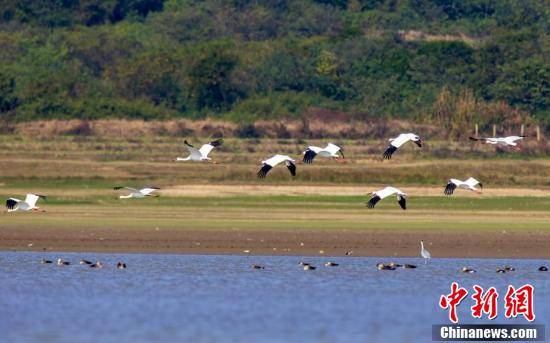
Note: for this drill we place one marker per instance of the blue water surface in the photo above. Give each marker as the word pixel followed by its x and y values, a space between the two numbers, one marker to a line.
pixel 207 298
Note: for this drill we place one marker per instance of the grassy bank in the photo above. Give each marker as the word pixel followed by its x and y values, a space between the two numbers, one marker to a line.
pixel 286 212
pixel 34 162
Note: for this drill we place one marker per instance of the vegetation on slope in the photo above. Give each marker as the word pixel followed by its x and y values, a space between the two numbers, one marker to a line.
pixel 439 61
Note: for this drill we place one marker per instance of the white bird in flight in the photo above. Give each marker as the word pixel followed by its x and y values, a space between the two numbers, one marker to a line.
pixel 469 184
pixel 268 164
pixel 397 142
pixel 13 204
pixel 138 193
pixel 330 151
pixel 202 153
pixel 386 192
pixel 424 253
pixel 506 141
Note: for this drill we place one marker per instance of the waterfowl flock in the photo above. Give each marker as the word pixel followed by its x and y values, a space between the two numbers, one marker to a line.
pixel 305 265
pixel 90 264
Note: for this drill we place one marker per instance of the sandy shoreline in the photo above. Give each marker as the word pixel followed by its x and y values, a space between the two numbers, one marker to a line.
pixel 397 243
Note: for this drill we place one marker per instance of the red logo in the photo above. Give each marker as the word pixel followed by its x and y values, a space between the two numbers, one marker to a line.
pixel 485 302
pixel 517 302
pixel 452 300
pixel 520 301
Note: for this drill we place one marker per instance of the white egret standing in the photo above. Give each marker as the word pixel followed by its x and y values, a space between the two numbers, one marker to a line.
pixel 424 253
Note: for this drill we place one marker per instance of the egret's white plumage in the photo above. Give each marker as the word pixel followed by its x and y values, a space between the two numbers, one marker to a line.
pixel 202 153
pixel 386 192
pixel 506 141
pixel 397 142
pixel 268 164
pixel 424 253
pixel 330 151
pixel 138 193
pixel 469 184
pixel 13 204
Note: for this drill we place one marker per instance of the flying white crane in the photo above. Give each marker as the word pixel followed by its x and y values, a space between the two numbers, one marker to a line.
pixel 13 204
pixel 330 151
pixel 506 141
pixel 397 142
pixel 386 192
pixel 138 193
pixel 268 164
pixel 424 253
pixel 202 153
pixel 469 184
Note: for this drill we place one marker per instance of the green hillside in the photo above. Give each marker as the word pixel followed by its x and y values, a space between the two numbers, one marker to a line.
pixel 438 61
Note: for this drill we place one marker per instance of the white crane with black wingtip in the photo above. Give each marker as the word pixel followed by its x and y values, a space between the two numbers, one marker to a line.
pixel 470 184
pixel 506 141
pixel 13 204
pixel 138 193
pixel 397 142
pixel 202 153
pixel 386 192
pixel 268 164
pixel 330 151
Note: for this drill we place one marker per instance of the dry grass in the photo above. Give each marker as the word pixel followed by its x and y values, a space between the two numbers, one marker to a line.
pixel 74 161
pixel 317 123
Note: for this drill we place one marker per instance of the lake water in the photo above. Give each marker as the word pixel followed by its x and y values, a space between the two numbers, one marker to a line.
pixel 196 298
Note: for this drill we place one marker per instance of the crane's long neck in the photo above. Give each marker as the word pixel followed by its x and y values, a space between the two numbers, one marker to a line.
pixel 421 245
pixel 125 196
pixel 183 159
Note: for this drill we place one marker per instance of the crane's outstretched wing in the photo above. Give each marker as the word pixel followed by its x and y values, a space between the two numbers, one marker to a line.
pixel 11 203
pixel 148 190
pixel 334 149
pixel 473 182
pixel 291 167
pixel 262 173
pixel 491 140
pixel 31 199
pixel 309 155
pixel 450 188
pixel 207 148
pixel 389 152
pixel 402 201
pixel 373 201
pixel 116 188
